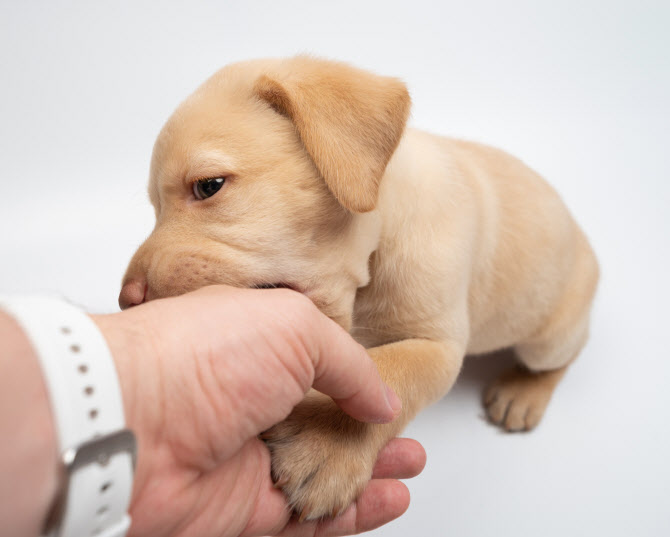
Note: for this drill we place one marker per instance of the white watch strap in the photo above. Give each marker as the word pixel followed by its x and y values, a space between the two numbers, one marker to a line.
pixel 86 401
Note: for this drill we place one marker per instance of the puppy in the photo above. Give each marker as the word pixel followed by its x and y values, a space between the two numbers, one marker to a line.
pixel 301 173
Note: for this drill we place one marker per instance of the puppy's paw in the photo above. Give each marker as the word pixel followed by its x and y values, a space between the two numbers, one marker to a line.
pixel 518 398
pixel 321 458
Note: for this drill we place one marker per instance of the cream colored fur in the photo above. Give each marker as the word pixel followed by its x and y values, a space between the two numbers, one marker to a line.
pixel 425 248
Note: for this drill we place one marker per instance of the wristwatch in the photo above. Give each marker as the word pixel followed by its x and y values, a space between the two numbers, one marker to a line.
pixel 98 452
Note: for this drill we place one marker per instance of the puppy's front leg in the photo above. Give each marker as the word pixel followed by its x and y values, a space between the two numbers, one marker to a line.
pixel 323 459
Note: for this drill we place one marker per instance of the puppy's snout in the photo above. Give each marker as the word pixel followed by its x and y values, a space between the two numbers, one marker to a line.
pixel 133 293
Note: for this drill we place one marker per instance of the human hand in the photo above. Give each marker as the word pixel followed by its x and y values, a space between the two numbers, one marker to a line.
pixel 203 374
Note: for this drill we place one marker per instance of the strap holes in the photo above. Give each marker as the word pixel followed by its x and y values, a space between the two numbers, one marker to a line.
pixel 65 330
pixel 88 390
pixel 102 510
pixel 105 486
pixel 103 459
pixel 83 368
pixel 93 413
pixel 75 348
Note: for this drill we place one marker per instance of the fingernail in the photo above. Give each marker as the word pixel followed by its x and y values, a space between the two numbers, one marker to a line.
pixel 394 401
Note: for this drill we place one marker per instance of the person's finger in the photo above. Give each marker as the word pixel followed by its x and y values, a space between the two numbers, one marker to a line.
pixel 382 501
pixel 344 370
pixel 402 458
pixel 314 350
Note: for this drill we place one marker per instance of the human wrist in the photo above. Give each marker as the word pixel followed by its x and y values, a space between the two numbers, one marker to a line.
pixel 30 461
pixel 123 349
pixel 131 350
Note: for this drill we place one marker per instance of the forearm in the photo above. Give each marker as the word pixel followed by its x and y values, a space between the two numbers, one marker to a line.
pixel 28 452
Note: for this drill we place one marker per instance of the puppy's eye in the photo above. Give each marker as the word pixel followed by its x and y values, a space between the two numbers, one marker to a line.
pixel 206 188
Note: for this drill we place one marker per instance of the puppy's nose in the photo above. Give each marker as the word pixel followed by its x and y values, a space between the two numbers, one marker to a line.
pixel 133 293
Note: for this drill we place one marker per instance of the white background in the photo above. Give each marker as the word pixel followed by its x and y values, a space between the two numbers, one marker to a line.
pixel 579 90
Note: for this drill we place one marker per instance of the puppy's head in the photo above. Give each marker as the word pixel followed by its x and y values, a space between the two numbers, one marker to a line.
pixel 262 178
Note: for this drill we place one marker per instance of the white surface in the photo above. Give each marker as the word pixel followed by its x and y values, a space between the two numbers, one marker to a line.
pixel 577 89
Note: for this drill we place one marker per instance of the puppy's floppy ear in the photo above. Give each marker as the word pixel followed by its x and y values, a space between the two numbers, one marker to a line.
pixel 350 122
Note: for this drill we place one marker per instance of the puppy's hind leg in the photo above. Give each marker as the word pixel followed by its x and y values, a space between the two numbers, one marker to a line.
pixel 518 398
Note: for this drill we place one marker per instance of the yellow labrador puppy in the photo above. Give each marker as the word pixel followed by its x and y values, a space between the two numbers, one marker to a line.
pixel 301 173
